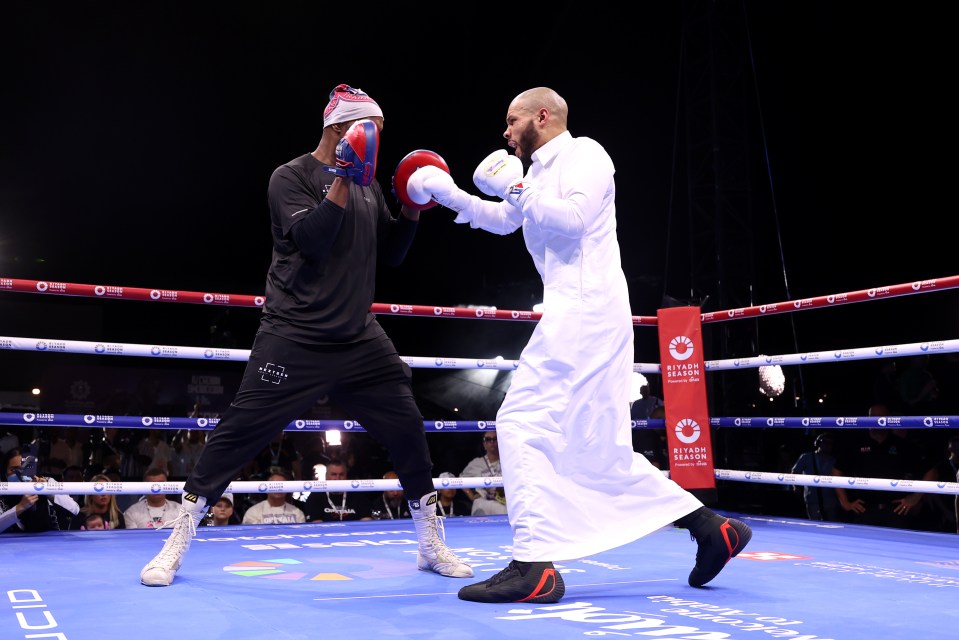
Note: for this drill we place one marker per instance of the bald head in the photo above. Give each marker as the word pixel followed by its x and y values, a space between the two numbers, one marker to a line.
pixel 532 100
pixel 534 117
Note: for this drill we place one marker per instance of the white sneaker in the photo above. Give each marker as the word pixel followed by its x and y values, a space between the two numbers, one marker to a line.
pixel 159 572
pixel 433 554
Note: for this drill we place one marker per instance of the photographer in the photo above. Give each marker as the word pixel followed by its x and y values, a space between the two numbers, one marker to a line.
pixel 32 513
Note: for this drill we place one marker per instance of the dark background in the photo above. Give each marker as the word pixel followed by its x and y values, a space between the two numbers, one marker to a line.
pixel 138 139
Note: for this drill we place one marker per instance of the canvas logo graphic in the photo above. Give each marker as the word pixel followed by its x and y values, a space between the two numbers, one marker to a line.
pixel 316 569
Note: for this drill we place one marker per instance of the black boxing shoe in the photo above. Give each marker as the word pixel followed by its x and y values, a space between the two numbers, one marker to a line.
pixel 535 582
pixel 720 540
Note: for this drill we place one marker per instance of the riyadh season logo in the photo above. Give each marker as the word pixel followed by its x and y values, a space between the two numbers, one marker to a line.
pixel 259 300
pixel 690 427
pixel 146 421
pixel 681 348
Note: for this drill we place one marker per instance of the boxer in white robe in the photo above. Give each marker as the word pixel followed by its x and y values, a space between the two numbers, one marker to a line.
pixel 574 485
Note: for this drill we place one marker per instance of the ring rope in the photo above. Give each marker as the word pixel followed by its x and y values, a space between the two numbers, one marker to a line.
pixel 240 300
pixel 52 345
pixel 337 486
pixel 237 486
pixel 34 419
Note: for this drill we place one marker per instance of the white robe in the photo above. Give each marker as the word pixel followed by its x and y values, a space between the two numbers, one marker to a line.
pixel 574 486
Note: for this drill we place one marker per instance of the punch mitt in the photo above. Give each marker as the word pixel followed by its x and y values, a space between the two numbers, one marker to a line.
pixel 417 200
pixel 356 153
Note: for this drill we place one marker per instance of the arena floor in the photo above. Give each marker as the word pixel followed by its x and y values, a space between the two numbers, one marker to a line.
pixel 796 579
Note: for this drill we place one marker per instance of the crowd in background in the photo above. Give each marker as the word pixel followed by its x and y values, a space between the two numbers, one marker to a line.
pixel 901 388
pixel 71 454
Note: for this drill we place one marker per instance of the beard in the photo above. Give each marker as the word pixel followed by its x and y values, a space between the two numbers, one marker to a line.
pixel 528 138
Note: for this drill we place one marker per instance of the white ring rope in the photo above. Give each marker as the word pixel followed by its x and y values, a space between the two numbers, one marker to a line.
pixel 50 345
pixel 237 486
pixel 292 486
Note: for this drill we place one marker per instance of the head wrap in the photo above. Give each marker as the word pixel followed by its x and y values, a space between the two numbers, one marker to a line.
pixel 347 103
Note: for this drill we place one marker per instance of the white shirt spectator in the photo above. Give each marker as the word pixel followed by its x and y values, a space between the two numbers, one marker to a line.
pixel 264 513
pixel 141 515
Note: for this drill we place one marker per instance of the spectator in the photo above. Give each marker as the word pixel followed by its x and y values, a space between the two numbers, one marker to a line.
pixel 452 501
pixel 68 446
pixel 186 451
pixel 37 513
pixel 153 510
pixel 390 504
pixel 102 504
pixel 643 406
pixel 155 452
pixel 10 515
pixel 486 501
pixel 821 504
pixel 880 454
pixel 280 452
pixel 335 506
pixel 74 473
pixel 114 449
pixel 223 512
pixel 8 441
pixel 93 522
pixel 275 509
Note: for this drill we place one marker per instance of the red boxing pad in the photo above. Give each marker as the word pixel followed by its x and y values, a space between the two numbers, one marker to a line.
pixel 410 163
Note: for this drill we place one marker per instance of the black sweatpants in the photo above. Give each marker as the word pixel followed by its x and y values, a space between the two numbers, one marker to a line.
pixel 283 379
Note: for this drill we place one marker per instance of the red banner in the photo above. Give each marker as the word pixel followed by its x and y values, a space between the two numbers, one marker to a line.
pixel 684 394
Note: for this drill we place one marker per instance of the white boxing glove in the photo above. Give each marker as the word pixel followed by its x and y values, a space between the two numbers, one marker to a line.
pixel 414 186
pixel 432 183
pixel 496 174
pixel 479 176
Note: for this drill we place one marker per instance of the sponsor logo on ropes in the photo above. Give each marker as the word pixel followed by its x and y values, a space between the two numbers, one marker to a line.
pixel 100 290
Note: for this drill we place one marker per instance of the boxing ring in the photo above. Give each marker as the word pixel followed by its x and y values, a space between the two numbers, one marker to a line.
pixel 797 579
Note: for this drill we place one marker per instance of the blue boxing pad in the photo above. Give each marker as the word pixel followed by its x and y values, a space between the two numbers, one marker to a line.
pixel 356 153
